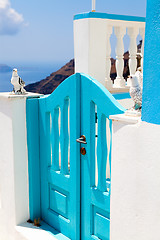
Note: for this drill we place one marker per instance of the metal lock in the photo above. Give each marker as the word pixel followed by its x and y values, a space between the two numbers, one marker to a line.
pixel 83 151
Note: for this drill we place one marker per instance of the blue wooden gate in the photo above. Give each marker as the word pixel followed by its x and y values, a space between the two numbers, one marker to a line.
pixel 74 187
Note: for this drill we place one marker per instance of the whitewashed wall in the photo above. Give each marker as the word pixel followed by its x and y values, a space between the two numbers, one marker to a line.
pixel 92 48
pixel 135 195
pixel 14 197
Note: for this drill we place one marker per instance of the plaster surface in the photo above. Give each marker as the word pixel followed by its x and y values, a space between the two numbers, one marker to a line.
pixel 14 199
pixel 91 45
pixel 135 180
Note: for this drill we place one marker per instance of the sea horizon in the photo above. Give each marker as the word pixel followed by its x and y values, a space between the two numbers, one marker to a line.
pixel 30 73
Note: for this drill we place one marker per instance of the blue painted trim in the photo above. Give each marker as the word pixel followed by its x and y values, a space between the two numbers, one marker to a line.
pixel 109 16
pixel 119 96
pixel 151 73
pixel 112 105
pixel 32 120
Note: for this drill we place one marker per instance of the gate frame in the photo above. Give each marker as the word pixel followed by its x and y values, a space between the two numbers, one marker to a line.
pixel 32 110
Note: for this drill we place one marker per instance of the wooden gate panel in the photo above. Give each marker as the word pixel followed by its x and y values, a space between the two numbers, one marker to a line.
pixel 97 104
pixel 74 188
pixel 60 177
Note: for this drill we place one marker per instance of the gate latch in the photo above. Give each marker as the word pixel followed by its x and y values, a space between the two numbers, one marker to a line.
pixel 82 139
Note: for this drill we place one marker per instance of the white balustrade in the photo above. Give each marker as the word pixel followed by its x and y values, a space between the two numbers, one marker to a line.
pixel 133 32
pixel 119 32
pixel 120 28
pixel 93 48
pixel 108 80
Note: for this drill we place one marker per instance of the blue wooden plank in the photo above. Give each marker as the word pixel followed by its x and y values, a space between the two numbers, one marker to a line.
pixel 68 185
pixel 64 137
pixel 102 97
pixel 81 94
pixel 92 197
pixel 58 202
pixel 55 139
pixel 59 180
pixel 75 156
pixel 92 142
pixel 102 227
pixel 110 150
pixel 100 199
pixel 44 157
pixel 101 151
pixel 33 157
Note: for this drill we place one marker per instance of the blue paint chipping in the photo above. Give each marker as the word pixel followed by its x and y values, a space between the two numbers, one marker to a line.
pixel 108 16
pixel 151 81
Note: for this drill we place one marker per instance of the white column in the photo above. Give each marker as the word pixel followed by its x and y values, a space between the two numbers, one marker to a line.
pixel 119 81
pixel 90 47
pixel 108 81
pixel 133 32
pixel 142 33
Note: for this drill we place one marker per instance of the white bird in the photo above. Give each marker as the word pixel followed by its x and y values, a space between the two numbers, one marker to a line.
pixel 17 83
pixel 139 75
pixel 135 92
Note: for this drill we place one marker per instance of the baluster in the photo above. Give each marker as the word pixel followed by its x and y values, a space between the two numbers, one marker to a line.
pixel 133 32
pixel 55 139
pixel 108 80
pixel 142 33
pixel 119 81
pixel 101 152
pixel 64 138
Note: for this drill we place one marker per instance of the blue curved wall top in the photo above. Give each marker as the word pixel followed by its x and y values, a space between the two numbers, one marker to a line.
pixel 151 82
pixel 108 16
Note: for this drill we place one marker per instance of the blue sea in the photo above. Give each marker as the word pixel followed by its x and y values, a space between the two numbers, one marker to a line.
pixel 29 74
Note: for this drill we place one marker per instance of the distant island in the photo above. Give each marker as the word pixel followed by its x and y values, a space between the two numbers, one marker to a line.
pixel 5 68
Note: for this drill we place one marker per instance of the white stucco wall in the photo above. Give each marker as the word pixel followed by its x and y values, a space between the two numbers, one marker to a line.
pixel 135 195
pixel 14 197
pixel 90 47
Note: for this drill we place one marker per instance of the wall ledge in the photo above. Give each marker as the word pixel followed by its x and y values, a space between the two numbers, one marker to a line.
pixel 29 232
pixel 125 118
pixel 26 95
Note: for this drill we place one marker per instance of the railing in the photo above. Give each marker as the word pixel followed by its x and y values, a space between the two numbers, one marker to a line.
pixel 93 52
pixel 120 28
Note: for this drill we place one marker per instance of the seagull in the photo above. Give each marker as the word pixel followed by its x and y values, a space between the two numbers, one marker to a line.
pixel 135 92
pixel 17 83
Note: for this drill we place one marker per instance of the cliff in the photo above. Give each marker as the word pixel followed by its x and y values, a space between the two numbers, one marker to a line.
pixel 50 83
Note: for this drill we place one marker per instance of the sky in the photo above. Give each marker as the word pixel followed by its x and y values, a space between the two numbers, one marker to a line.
pixel 41 31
